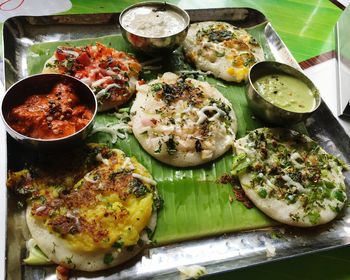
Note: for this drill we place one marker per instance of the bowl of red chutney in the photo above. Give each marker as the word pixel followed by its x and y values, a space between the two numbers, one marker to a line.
pixel 49 111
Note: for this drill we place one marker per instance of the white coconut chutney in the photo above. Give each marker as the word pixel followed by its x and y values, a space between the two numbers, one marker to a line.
pixel 153 21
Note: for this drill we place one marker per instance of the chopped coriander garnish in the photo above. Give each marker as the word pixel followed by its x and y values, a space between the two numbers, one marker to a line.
pixel 262 193
pixel 108 258
pixel 118 244
pixel 339 195
pixel 156 87
pixel 171 145
pixel 314 217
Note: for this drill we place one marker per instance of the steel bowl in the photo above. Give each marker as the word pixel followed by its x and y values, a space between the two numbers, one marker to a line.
pixel 155 45
pixel 41 84
pixel 268 111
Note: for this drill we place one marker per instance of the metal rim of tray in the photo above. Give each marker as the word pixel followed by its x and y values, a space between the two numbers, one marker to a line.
pixel 220 253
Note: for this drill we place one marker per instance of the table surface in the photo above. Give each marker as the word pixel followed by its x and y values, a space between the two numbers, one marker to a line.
pixel 307 28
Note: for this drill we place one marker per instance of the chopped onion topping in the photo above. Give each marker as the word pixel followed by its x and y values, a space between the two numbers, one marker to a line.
pixel 86 80
pixel 128 164
pixel 144 179
pixel 290 182
pixel 293 158
pixel 101 159
pixel 75 218
pixel 70 52
pixel 40 209
pixel 117 129
pixel 89 179
pixel 202 116
pixel 104 91
pixel 100 81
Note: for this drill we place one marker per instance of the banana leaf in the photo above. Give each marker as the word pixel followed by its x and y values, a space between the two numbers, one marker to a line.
pixel 195 204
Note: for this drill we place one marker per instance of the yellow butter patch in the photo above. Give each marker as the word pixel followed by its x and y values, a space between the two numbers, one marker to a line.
pixel 231 71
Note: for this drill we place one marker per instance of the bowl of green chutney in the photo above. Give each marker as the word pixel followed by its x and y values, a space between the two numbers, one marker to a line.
pixel 280 94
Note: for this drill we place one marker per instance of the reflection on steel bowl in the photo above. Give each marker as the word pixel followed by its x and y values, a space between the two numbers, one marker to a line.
pixel 280 94
pixel 153 27
pixel 49 111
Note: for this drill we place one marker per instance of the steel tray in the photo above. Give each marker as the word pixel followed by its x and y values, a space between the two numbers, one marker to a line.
pixel 217 254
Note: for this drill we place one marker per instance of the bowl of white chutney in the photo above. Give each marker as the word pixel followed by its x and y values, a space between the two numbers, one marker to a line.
pixel 154 28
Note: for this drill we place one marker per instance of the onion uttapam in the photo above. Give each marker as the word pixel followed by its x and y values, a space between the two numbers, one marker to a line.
pixel 99 221
pixel 182 121
pixel 222 49
pixel 290 177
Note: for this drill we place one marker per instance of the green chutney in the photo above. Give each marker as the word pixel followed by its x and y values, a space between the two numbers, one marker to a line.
pixel 286 92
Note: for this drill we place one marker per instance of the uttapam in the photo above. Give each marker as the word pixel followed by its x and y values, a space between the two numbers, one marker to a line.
pixel 222 49
pixel 111 74
pixel 290 177
pixel 182 121
pixel 99 221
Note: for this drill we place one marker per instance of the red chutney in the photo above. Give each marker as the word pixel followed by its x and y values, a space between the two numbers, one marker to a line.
pixel 50 116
